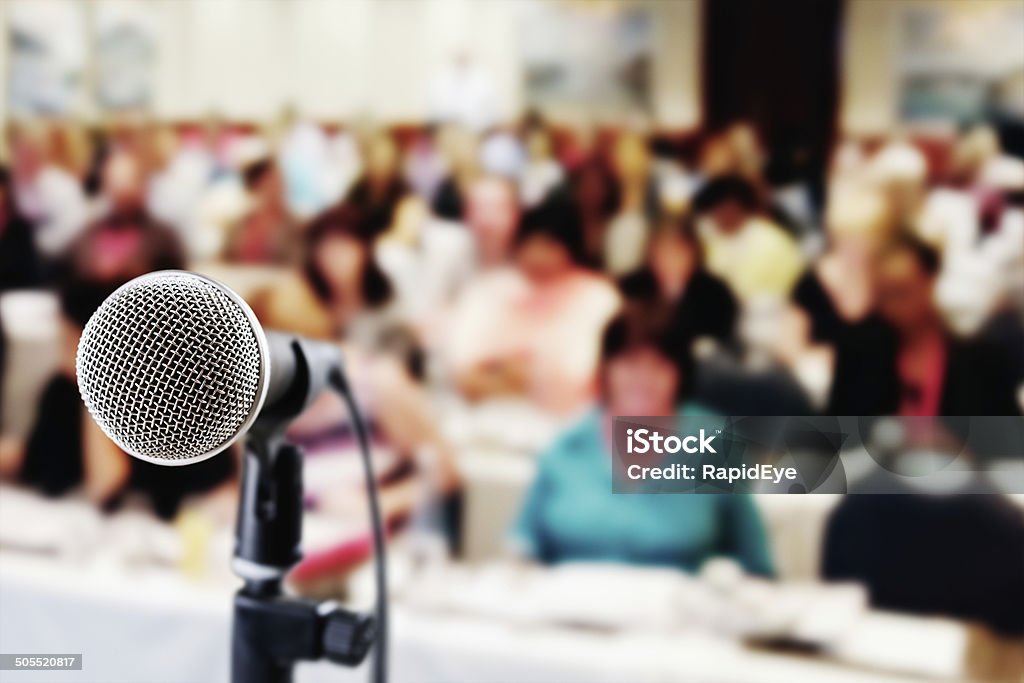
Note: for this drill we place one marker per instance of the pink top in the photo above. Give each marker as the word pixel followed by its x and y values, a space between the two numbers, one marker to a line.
pixel 556 329
pixel 922 396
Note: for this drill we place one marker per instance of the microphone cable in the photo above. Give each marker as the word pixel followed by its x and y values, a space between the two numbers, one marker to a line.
pixel 378 672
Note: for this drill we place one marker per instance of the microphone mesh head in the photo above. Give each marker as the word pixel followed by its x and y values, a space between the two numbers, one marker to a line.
pixel 171 367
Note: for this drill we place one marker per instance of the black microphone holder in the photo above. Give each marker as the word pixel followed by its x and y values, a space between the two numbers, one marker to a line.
pixel 272 631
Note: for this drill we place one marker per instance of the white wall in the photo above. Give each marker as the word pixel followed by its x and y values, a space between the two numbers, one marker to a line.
pixel 339 58
pixel 342 58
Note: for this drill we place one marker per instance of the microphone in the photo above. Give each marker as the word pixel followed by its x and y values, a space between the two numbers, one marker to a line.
pixel 174 367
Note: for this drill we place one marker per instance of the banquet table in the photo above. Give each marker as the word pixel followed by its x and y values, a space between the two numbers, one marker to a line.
pixel 153 624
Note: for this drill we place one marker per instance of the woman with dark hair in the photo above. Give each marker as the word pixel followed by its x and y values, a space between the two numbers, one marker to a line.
pixel 342 292
pixel 555 225
pixel 644 371
pixel 531 329
pixel 267 231
pixel 340 233
pixel 752 254
pixel 701 304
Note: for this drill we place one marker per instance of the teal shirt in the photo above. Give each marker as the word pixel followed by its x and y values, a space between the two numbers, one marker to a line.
pixel 570 513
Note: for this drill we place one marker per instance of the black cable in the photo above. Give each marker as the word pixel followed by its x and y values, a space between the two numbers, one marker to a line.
pixel 379 673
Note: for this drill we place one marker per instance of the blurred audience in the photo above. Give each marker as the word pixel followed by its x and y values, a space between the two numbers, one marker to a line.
pixel 648 235
pixel 472 271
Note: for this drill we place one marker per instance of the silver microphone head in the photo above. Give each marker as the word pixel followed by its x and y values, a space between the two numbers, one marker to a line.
pixel 173 367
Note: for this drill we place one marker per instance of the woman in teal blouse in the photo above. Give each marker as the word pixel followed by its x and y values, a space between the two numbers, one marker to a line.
pixel 570 513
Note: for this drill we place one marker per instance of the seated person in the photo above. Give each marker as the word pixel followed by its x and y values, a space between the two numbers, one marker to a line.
pixel 460 148
pixel 343 295
pixel 341 292
pixel 903 361
pixel 626 232
pixel 492 216
pixel 427 260
pixel 19 260
pixel 953 554
pixel 532 330
pixel 836 292
pixel 834 296
pixel 266 233
pixel 381 188
pixel 701 304
pixel 542 173
pixel 570 513
pixel 126 241
pixel 753 255
pixel 595 192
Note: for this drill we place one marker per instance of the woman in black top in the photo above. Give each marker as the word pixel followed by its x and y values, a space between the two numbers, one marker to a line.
pixel 701 304
pixel 19 260
pixel 901 359
pixel 378 192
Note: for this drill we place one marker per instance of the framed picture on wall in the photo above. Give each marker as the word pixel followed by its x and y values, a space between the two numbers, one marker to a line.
pixel 54 45
pixel 595 56
pixel 124 35
pixel 959 61
pixel 48 54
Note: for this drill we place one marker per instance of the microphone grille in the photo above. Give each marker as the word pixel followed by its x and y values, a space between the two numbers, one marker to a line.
pixel 172 367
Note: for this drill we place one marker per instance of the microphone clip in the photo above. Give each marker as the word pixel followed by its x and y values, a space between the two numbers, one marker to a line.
pixel 272 633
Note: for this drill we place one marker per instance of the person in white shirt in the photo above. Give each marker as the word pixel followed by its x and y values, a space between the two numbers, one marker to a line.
pixel 463 93
pixel 49 197
pixel 625 241
pixel 542 173
pixel 426 259
pixel 530 329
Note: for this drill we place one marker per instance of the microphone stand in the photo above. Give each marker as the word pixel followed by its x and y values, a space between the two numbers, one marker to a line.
pixel 272 631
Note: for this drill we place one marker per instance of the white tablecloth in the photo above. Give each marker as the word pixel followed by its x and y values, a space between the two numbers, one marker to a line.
pixel 152 625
